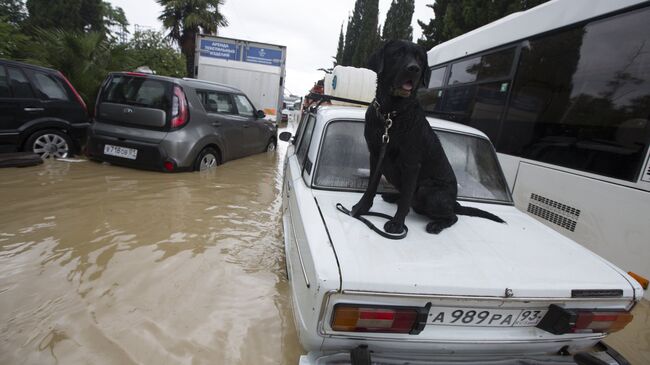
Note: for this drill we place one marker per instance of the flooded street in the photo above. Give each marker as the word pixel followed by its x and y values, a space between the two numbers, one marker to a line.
pixel 107 265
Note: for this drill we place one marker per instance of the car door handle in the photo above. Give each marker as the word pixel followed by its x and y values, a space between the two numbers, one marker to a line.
pixel 216 124
pixel 34 109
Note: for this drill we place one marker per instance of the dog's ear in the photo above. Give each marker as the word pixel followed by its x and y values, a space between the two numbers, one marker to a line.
pixel 426 74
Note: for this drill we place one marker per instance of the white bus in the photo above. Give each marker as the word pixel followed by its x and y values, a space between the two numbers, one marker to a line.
pixel 563 92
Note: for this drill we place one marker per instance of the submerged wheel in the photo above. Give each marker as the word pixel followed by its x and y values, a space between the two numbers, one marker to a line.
pixel 50 143
pixel 207 159
pixel 271 146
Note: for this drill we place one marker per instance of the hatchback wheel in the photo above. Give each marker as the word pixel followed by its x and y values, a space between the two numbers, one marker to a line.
pixel 271 146
pixel 50 143
pixel 207 159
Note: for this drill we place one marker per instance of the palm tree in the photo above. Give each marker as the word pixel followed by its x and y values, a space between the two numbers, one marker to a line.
pixel 186 18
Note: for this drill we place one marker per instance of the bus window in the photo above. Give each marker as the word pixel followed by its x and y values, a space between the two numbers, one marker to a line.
pixel 577 105
pixel 437 77
pixel 478 105
pixel 489 66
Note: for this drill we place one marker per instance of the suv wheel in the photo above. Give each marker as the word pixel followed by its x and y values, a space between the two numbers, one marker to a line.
pixel 271 146
pixel 49 143
pixel 207 159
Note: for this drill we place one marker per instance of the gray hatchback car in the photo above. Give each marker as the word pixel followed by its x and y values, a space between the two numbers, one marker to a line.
pixel 170 124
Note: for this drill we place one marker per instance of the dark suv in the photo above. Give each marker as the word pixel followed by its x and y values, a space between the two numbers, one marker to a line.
pixel 40 111
pixel 170 124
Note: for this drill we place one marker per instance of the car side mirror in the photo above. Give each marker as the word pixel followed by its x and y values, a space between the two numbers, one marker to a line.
pixel 285 136
pixel 260 114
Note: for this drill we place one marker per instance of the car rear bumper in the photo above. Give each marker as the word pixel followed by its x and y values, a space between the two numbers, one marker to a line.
pixel 150 156
pixel 599 354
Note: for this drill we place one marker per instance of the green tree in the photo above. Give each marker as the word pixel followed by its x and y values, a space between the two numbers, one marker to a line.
pixel 11 39
pixel 338 60
pixel 12 11
pixel 453 18
pixel 115 23
pixel 185 19
pixel 73 15
pixel 151 48
pixel 369 23
pixel 353 33
pixel 398 20
pixel 84 58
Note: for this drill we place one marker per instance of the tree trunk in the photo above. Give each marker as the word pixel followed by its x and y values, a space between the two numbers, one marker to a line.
pixel 188 47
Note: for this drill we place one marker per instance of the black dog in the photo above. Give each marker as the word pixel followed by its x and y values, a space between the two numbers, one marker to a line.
pixel 414 161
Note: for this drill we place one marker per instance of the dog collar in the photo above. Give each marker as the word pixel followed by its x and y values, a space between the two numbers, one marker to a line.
pixel 383 116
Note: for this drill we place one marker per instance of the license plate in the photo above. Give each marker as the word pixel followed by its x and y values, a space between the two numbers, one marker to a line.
pixel 482 317
pixel 124 152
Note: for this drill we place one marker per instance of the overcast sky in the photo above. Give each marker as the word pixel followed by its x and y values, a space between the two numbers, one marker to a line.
pixel 308 28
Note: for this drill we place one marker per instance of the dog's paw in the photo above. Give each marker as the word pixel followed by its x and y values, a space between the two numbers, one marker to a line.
pixel 394 227
pixel 435 227
pixel 360 209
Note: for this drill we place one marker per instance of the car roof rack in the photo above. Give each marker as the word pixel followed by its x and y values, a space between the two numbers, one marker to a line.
pixel 324 98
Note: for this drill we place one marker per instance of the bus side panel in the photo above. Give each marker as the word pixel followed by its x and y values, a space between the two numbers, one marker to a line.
pixel 610 220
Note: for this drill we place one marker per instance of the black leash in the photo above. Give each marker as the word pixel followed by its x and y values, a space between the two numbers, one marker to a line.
pixel 388 122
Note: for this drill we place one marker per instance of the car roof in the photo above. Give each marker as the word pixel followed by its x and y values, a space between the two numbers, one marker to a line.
pixel 202 84
pixel 27 65
pixel 194 83
pixel 330 112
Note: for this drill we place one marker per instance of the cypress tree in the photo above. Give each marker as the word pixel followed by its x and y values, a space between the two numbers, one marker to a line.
pixel 398 20
pixel 339 49
pixel 453 18
pixel 352 33
pixel 368 32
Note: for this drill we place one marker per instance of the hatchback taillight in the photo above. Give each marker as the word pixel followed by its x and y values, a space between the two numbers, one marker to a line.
pixel 180 113
pixel 560 320
pixel 360 318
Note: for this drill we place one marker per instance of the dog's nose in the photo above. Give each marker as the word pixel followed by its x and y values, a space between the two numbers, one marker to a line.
pixel 413 67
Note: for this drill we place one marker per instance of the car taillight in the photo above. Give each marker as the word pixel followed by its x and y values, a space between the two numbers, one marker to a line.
pixel 601 321
pixel 560 320
pixel 359 318
pixel 179 108
pixel 74 91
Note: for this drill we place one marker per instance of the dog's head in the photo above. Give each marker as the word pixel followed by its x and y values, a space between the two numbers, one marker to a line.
pixel 401 68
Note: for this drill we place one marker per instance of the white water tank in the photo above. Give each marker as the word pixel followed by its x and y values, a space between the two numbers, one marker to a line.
pixel 351 83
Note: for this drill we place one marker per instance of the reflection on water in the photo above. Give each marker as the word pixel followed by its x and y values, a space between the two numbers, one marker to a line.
pixel 107 265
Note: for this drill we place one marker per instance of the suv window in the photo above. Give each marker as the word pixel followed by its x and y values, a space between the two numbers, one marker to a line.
pixel 138 91
pixel 215 102
pixel 19 83
pixel 48 87
pixel 244 106
pixel 5 91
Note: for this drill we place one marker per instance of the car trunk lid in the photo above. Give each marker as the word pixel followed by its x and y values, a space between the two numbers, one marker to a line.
pixel 475 257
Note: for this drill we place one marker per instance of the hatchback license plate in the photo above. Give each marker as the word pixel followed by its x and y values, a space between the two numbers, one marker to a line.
pixel 483 317
pixel 124 152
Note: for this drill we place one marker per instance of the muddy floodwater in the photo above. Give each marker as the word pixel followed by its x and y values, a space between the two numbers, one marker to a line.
pixel 107 265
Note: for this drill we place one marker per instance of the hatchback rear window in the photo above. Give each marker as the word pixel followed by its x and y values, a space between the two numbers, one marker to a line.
pixel 138 91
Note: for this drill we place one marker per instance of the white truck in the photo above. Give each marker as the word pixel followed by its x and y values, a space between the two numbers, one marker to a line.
pixel 258 69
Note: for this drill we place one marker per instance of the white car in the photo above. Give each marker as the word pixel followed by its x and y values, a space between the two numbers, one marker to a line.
pixel 479 290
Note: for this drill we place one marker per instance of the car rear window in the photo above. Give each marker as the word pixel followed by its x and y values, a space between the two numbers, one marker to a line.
pixel 344 163
pixel 138 91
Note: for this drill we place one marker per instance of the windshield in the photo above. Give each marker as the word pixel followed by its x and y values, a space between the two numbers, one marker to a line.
pixel 343 163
